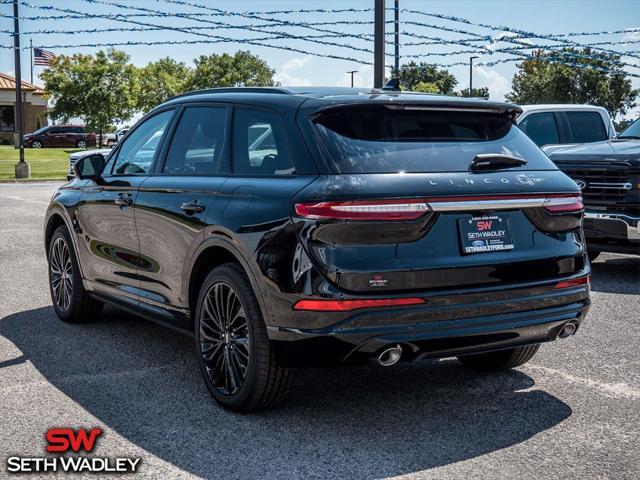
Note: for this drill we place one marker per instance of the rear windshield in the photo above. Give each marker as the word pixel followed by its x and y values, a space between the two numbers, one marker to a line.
pixel 414 139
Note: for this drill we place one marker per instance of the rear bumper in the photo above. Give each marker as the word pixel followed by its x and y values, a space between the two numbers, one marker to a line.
pixel 446 326
pixel 613 232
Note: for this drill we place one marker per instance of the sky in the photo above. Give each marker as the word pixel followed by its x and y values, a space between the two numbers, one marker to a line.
pixel 295 68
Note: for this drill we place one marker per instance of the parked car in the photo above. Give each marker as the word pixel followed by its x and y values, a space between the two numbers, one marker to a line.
pixel 60 136
pixel 73 158
pixel 556 126
pixel 608 174
pixel 111 139
pixel 290 227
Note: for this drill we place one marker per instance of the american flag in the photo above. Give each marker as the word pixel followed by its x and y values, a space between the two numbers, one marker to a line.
pixel 42 57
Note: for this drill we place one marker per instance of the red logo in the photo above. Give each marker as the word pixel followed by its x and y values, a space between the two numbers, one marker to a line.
pixel 65 439
pixel 485 225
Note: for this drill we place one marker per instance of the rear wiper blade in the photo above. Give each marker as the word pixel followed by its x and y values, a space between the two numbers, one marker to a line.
pixel 495 161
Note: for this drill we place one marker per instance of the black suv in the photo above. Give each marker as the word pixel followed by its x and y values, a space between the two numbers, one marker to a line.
pixel 292 227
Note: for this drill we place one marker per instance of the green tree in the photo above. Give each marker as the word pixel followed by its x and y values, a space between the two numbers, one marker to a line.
pixel 475 92
pixel 161 80
pixel 592 78
pixel 425 87
pixel 242 69
pixel 413 74
pixel 100 89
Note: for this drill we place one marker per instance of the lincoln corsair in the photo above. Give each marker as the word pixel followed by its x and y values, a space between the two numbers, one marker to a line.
pixel 297 227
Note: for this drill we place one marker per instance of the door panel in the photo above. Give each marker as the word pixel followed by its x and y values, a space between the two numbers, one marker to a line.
pixel 109 246
pixel 108 242
pixel 169 233
pixel 172 206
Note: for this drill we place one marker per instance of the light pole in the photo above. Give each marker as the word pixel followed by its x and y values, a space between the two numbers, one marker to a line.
pixel 396 34
pixel 471 75
pixel 378 44
pixel 352 72
pixel 22 168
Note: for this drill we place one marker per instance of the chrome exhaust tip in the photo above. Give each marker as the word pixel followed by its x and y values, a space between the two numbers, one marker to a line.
pixel 390 356
pixel 568 330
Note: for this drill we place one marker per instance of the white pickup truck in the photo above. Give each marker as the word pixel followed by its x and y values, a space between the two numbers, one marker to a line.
pixel 553 127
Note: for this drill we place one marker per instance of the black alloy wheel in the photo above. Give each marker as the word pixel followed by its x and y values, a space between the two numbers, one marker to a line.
pixel 224 338
pixel 235 356
pixel 61 274
pixel 71 301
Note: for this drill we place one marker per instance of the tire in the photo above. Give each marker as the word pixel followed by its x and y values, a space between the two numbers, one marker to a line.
pixel 499 360
pixel 81 144
pixel 36 144
pixel 593 254
pixel 237 339
pixel 70 300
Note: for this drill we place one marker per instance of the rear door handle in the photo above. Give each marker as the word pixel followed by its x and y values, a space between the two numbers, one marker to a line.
pixel 192 207
pixel 124 199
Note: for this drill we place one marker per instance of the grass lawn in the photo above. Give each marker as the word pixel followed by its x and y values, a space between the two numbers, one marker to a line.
pixel 45 162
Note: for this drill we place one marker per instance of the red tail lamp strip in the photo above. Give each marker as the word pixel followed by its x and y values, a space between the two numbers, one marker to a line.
pixel 349 305
pixel 574 282
pixel 563 203
pixel 392 209
pixel 412 209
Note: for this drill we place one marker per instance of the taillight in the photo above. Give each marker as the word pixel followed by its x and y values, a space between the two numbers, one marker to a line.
pixel 392 209
pixel 574 282
pixel 348 305
pixel 412 209
pixel 563 203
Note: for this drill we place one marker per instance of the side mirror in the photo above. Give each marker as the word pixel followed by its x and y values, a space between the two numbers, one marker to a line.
pixel 89 167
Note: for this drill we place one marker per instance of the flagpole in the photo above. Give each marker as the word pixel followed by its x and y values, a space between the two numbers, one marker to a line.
pixel 31 51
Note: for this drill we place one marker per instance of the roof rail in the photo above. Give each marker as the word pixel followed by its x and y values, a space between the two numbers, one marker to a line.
pixel 281 91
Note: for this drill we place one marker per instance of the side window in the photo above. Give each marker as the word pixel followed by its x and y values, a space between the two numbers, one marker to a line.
pixel 586 127
pixel 259 146
pixel 197 143
pixel 541 128
pixel 55 131
pixel 137 153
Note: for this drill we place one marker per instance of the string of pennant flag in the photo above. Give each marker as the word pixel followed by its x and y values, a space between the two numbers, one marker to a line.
pixel 520 44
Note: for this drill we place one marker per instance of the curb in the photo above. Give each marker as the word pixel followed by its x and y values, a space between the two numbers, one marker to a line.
pixel 32 180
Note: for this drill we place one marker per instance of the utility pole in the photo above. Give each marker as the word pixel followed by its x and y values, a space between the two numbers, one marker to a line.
pixel 396 23
pixel 471 75
pixel 352 72
pixel 21 169
pixel 378 45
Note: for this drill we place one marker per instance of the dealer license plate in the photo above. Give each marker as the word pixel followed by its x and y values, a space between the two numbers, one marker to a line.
pixel 490 233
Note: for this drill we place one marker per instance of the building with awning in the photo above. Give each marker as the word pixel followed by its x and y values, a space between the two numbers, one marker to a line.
pixel 34 105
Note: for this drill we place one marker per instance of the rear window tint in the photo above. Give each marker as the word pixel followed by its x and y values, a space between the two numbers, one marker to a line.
pixel 390 139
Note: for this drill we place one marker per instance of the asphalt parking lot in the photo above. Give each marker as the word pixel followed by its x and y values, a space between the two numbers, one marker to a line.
pixel 572 412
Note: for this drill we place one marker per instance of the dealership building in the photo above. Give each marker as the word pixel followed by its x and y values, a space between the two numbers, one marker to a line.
pixel 34 105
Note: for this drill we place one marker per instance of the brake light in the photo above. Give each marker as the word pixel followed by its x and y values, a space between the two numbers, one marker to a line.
pixel 574 282
pixel 412 209
pixel 392 209
pixel 348 305
pixel 563 203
